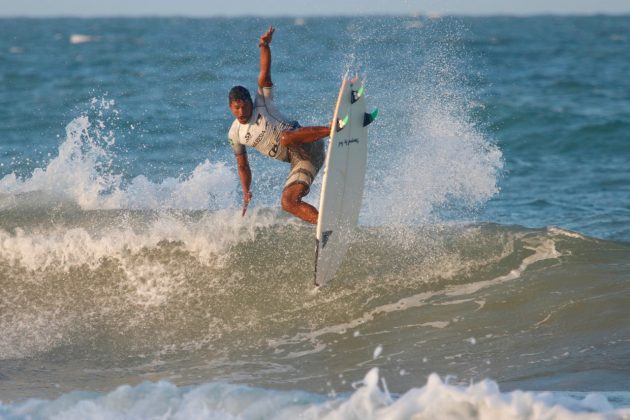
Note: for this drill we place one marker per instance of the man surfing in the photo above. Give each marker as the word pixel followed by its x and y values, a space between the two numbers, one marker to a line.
pixel 258 124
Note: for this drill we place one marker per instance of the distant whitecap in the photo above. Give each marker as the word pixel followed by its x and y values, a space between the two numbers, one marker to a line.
pixel 80 39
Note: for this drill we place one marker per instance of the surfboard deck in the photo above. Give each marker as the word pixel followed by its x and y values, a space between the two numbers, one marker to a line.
pixel 343 179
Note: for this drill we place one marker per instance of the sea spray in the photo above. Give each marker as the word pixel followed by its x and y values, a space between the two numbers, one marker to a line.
pixel 84 173
pixel 80 172
pixel 429 157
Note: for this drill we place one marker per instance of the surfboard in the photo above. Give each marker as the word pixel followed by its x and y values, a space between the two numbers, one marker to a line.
pixel 343 179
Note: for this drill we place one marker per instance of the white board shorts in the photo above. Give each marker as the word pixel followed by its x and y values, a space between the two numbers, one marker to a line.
pixel 306 161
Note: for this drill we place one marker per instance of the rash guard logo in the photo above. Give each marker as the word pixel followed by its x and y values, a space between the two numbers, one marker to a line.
pixel 259 138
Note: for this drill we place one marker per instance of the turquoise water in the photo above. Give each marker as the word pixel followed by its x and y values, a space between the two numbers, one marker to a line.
pixel 493 246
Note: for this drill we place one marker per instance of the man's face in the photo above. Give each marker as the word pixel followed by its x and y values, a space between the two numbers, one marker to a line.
pixel 242 110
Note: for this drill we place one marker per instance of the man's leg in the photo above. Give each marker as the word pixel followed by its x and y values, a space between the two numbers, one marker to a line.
pixel 292 203
pixel 303 135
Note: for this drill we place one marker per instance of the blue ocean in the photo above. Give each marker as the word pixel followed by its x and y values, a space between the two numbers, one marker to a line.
pixel 489 276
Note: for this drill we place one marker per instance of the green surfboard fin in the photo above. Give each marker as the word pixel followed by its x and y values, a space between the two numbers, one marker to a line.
pixel 343 122
pixel 356 94
pixel 369 117
pixel 360 91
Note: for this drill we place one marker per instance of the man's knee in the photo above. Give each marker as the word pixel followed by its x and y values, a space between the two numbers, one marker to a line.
pixel 289 199
pixel 288 202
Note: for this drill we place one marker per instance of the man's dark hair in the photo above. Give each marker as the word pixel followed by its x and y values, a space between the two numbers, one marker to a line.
pixel 239 93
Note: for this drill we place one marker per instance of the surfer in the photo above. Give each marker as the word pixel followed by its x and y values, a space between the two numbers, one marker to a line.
pixel 260 125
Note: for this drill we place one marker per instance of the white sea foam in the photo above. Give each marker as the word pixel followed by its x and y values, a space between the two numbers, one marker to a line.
pixel 148 281
pixel 82 172
pixel 441 158
pixel 377 352
pixel 62 248
pixel 436 399
pixel 554 230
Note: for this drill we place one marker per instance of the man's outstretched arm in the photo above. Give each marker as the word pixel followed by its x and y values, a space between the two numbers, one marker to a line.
pixel 245 174
pixel 264 78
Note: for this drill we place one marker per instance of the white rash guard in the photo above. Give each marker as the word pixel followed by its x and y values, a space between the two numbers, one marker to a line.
pixel 263 129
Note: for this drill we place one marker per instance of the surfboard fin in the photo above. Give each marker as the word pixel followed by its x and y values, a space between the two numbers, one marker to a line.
pixel 357 94
pixel 316 257
pixel 369 117
pixel 343 122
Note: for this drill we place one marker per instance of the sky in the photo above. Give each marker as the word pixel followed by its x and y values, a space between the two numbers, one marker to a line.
pixel 304 7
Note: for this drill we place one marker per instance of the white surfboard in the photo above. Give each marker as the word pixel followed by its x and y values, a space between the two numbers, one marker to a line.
pixel 343 180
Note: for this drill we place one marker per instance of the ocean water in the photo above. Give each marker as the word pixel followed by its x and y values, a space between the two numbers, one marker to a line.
pixel 489 276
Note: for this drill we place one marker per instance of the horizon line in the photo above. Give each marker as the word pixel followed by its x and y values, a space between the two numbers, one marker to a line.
pixel 430 15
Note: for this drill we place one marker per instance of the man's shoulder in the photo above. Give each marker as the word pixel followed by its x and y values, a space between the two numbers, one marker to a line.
pixel 263 95
pixel 233 131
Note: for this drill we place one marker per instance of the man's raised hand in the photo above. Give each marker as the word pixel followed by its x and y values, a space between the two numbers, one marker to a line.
pixel 265 39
